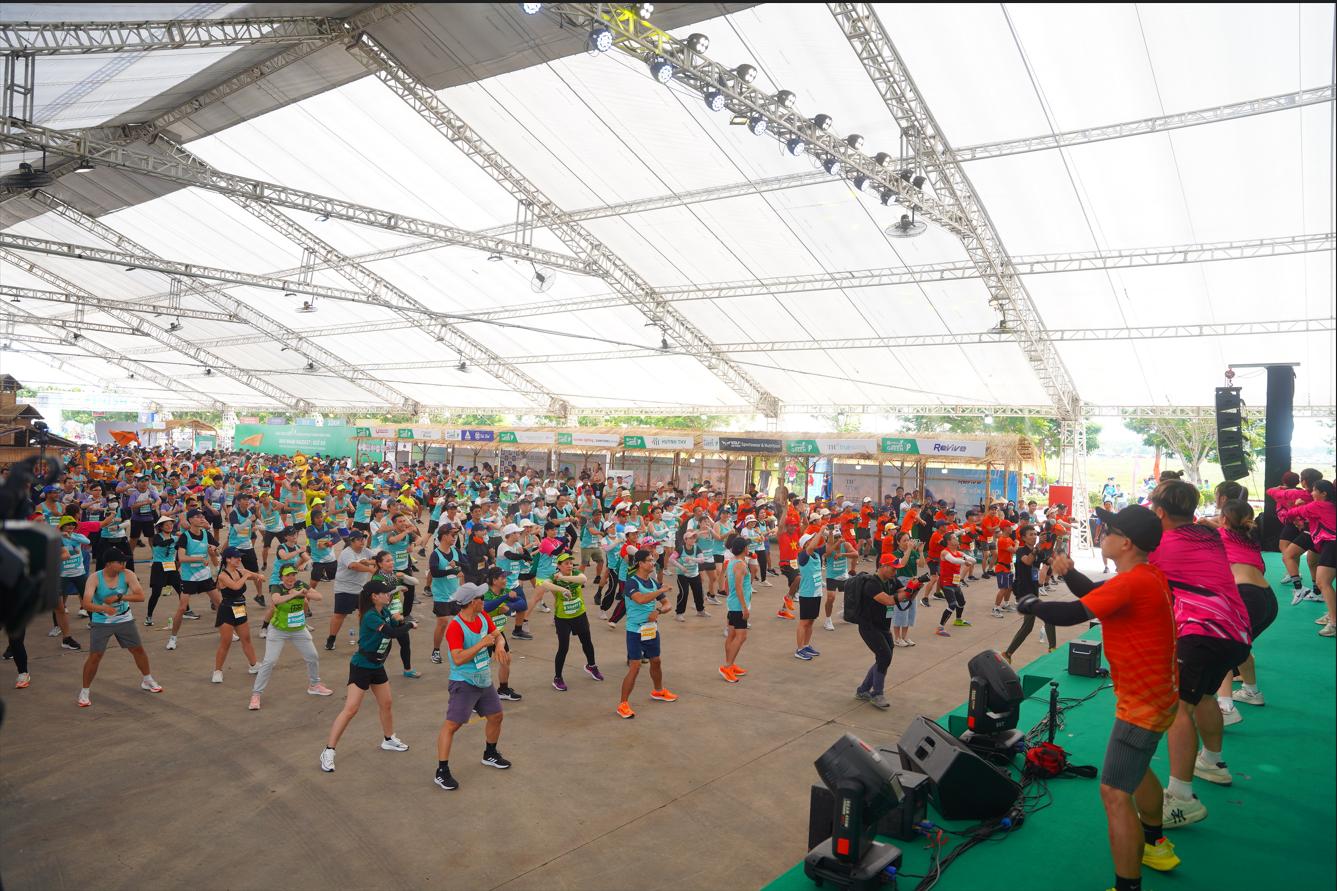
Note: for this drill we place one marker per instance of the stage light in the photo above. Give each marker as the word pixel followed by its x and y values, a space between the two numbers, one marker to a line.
pixel 785 98
pixel 906 175
pixel 85 166
pixel 888 196
pixel 746 73
pixel 531 8
pixel 463 366
pixel 664 344
pixel 796 146
pixel 323 218
pixel 822 122
pixel 310 366
pixel 208 372
pixel 698 43
pixel 175 326
pixel 494 257
pixel 918 181
pixel 757 124
pixel 854 141
pixel 308 306
pixel 661 71
pixel 644 9
pixel 860 182
pixel 714 100
pixel 601 40
pixel 832 166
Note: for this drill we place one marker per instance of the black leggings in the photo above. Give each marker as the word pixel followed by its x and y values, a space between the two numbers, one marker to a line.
pixel 580 627
pixel 879 641
pixel 690 584
pixel 956 601
pixel 19 651
pixel 763 562
pixel 1026 625
pixel 610 592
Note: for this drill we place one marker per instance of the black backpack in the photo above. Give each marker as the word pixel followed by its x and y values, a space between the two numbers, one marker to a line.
pixel 865 584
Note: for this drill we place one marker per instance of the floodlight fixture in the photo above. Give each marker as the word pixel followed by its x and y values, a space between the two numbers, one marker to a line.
pixel 918 181
pixel 907 175
pixel 208 372
pixel 822 122
pixel 601 40
pixel 854 141
pixel 661 71
pixel 832 166
pixel 323 218
pixel 888 196
pixel 644 10
pixel 175 326
pixel 531 8
pixel 860 182
pixel 494 257
pixel 698 43
pixel 463 366
pixel 308 306
pixel 746 73
pixel 882 159
pixel 714 100
pixel 664 344
pixel 796 146
pixel 785 98
pixel 757 124
pixel 310 366
pixel 85 166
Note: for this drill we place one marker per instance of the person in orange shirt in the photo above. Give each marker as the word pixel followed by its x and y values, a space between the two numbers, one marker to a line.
pixel 951 564
pixel 863 532
pixel 911 520
pixel 788 545
pixel 1007 546
pixel 1138 627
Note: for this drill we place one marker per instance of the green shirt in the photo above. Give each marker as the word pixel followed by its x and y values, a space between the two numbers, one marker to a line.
pixel 572 603
pixel 370 640
pixel 291 614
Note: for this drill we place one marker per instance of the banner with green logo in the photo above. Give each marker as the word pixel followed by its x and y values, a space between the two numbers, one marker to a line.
pixel 205 442
pixel 404 433
pixel 289 439
pixel 933 447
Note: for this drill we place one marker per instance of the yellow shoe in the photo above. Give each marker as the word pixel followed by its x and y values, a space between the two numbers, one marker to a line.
pixel 1160 856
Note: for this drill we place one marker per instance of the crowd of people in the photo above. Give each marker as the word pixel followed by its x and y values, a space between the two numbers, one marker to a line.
pixel 270 537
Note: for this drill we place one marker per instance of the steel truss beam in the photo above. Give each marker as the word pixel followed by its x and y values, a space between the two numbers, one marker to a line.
pixel 600 259
pixel 81 38
pixel 74 327
pixel 97 303
pixel 177 169
pixel 235 308
pixel 157 332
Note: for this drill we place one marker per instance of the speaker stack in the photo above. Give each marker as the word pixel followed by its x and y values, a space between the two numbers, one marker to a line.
pixel 1230 433
pixel 963 785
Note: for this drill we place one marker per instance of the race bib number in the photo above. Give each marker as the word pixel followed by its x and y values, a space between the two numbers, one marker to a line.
pixel 649 631
pixel 571 604
pixel 296 620
pixel 384 646
pixel 238 610
pixel 169 566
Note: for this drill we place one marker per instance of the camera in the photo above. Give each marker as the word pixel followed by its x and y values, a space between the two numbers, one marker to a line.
pixel 29 552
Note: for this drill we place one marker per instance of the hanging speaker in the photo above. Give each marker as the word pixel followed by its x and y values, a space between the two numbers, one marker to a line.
pixel 1230 433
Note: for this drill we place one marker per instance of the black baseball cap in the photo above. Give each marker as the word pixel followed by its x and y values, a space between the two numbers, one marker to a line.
pixel 1135 523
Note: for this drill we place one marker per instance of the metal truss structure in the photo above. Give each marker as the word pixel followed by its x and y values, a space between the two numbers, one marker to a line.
pixel 162 335
pixel 97 303
pixel 83 38
pixel 600 259
pixel 74 326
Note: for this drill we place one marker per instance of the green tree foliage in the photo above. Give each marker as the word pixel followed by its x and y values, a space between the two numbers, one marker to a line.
pixel 1044 432
pixel 1194 442
pixel 476 420
pixel 667 422
pixel 84 416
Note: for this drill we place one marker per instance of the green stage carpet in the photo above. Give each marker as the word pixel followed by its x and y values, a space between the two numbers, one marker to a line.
pixel 1272 828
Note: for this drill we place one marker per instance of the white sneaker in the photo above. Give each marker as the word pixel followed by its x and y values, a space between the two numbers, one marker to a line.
pixel 1297 596
pixel 148 684
pixel 264 632
pixel 1249 697
pixel 171 642
pixel 767 583
pixel 54 632
pixel 327 760
pixel 909 642
pixel 217 678
pixel 393 744
pixel 680 617
pixel 829 626
pixel 1323 620
pixel 84 701
pixel 1327 631
pixel 1313 596
pixel 544 608
pixel 703 614
pixel 996 612
pixel 236 636
pixel 1177 812
pixel 897 642
pixel 1230 716
pixel 1010 607
pixel 254 669
pixel 1213 773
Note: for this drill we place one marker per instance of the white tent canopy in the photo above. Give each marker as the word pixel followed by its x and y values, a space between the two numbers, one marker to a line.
pixel 591 130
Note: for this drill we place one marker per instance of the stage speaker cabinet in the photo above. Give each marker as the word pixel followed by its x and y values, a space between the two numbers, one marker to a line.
pixel 1084 658
pixel 1230 433
pixel 963 785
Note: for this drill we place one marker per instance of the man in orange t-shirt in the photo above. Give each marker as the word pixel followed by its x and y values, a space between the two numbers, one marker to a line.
pixel 1006 548
pixel 788 545
pixel 1138 627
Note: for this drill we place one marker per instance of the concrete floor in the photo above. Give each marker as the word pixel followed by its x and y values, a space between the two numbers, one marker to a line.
pixel 189 789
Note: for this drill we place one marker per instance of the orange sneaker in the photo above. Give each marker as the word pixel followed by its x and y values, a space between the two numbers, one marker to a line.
pixel 664 695
pixel 727 672
pixel 737 670
pixel 784 614
pixel 789 605
pixel 624 710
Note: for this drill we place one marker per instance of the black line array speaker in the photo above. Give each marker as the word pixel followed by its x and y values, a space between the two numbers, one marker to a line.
pixel 964 785
pixel 1230 433
pixel 1277 444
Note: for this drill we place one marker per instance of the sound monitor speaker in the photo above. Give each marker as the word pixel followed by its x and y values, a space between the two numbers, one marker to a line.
pixel 1230 433
pixel 964 785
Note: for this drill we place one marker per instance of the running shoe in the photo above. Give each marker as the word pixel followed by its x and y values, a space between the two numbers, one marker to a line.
pixel 1323 620
pixel 148 621
pixel 664 695
pixel 216 678
pixel 829 625
pixel 594 672
pixel 738 670
pixel 190 614
pixel 802 654
pixel 1313 596
pixel 728 675
pixel 496 759
pixel 329 642
pixel 55 630
pixel 255 703
pixel 522 634
pixel 702 614
pixel 254 669
pixel 1249 697
pixel 83 614
pixel 70 643
pixel 925 601
pixel 508 694
pixel 84 701
pixel 1231 716
pixel 880 701
pixel 259 600
pixel 863 696
pixel 1297 596
pixel 897 642
pixel 1212 772
pixel 412 673
pixel 149 685
pixel 1010 607
pixel 9 653
pixel 394 744
pixel 961 623
pixel 1178 812
pixel 784 614
pixel 171 642
pixel 319 689
pixel 679 617
pixel 445 780
pixel 996 612
pixel 327 760
pixel 22 681
pixel 544 608
pixel 559 685
pixel 909 642
pixel 624 710
pixel 1327 631
pixel 811 650
pixel 711 598
pixel 436 657
pixel 264 631
pixel 1160 856
pixel 943 632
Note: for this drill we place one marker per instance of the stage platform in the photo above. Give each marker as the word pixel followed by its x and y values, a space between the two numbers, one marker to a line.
pixel 1272 827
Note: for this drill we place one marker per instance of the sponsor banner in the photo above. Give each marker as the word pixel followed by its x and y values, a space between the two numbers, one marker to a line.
pixel 289 439
pixel 307 422
pixel 830 446
pixel 276 420
pixel 404 433
pixel 527 437
pixel 428 433
pixel 710 443
pixel 477 436
pixel 599 440
pixel 933 447
pixel 750 444
pixel 621 479
pixel 362 431
pixel 661 443
pixel 205 442
pixel 249 419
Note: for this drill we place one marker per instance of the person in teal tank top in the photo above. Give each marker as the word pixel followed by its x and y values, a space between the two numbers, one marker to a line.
pixel 288 624
pixel 501 604
pixel 107 596
pixel 366 670
pixel 472 640
pixel 738 580
pixel 811 586
pixel 443 569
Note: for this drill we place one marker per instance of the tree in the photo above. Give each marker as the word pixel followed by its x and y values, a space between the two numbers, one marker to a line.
pixel 1194 442
pixel 1044 432
pixel 475 420
pixel 668 422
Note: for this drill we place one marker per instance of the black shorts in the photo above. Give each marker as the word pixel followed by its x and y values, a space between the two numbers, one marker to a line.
pixel 201 586
pixel 364 526
pixel 431 526
pixel 809 607
pixel 160 578
pixel 1327 555
pixel 249 560
pixel 1303 542
pixel 226 615
pixel 1262 606
pixel 139 528
pixel 445 608
pixel 1289 531
pixel 933 566
pixel 789 572
pixel 323 572
pixel 269 536
pixel 345 603
pixel 363 678
pixel 719 559
pixel 835 584
pixel 1203 664
pixel 736 620
pixel 860 533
